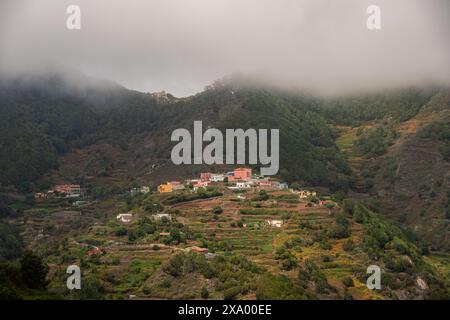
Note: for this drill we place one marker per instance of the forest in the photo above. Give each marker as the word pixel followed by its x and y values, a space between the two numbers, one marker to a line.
pixel 45 118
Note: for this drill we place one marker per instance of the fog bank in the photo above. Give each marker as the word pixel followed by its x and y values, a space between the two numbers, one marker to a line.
pixel 182 45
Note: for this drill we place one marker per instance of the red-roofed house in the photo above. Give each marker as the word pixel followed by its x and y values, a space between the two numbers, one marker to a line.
pixel 205 176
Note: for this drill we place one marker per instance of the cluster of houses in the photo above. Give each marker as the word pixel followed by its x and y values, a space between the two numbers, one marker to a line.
pixel 170 187
pixel 129 216
pixel 275 223
pixel 125 217
pixel 304 194
pixel 240 178
pixel 60 191
pixel 143 189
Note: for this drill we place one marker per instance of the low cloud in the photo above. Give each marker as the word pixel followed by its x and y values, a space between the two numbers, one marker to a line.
pixel 182 45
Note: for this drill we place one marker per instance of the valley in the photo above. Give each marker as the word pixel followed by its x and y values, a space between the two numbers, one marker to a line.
pixel 128 267
pixel 365 181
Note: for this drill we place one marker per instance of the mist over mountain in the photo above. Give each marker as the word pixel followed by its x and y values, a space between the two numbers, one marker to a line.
pixel 72 111
pixel 181 46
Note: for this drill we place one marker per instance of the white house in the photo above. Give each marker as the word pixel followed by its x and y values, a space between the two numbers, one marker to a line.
pixel 176 185
pixel 159 216
pixel 217 178
pixel 125 217
pixel 243 185
pixel 143 189
pixel 200 184
pixel 275 223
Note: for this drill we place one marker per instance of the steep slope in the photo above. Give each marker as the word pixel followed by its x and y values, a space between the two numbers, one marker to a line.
pixel 109 138
pixel 73 128
pixel 312 255
pixel 47 116
pixel 413 181
pixel 48 121
pixel 405 164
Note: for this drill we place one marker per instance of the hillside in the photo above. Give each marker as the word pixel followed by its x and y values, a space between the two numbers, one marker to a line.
pixel 38 125
pixel 46 121
pixel 369 157
pixel 414 186
pixel 403 163
pixel 315 253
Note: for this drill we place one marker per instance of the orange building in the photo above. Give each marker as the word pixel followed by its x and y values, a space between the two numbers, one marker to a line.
pixel 165 188
pixel 242 174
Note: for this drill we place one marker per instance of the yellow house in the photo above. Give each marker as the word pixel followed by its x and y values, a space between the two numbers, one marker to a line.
pixel 165 188
pixel 303 194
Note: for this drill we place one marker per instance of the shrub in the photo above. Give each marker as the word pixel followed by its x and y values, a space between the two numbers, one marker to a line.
pixel 231 293
pixel 120 231
pixel 204 293
pixel 289 264
pixel 217 210
pixel 348 245
pixel 147 290
pixel 342 228
pixel 348 282
pixel 278 287
pixel 33 270
pixel 348 205
pixel 262 196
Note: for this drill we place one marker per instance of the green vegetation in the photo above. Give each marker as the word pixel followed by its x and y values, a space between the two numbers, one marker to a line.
pixel 320 251
pixel 11 242
pixel 24 278
pixel 306 141
pixel 235 274
pixel 341 229
pixel 33 270
pixel 440 131
pixel 279 287
pixel 389 244
pixel 184 197
pixel 288 260
pixel 217 210
pixel 375 141
pixel 262 196
pixel 399 105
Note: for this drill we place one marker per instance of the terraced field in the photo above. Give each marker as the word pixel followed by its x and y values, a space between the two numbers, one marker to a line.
pixel 133 263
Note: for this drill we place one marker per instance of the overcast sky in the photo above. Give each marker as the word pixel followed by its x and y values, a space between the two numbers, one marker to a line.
pixel 182 45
